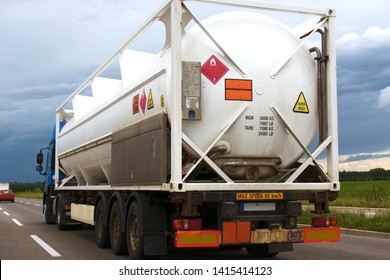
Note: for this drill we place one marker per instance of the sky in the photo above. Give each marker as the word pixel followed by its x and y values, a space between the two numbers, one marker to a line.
pixel 49 47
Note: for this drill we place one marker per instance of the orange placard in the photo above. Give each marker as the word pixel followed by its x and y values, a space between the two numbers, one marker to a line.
pixel 200 238
pixel 238 90
pixel 321 235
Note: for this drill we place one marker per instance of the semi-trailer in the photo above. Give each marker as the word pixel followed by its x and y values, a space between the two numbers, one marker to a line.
pixel 213 141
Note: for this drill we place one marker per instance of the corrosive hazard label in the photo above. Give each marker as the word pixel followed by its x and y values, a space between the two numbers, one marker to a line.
pixel 301 105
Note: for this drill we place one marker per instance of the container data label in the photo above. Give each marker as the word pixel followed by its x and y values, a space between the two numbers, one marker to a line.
pixel 261 125
pixel 266 126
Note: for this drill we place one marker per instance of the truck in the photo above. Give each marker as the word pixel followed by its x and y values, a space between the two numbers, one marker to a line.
pixel 215 141
pixel 4 186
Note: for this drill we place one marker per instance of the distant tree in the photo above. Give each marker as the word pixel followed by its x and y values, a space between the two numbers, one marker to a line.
pixel 378 174
pixel 375 174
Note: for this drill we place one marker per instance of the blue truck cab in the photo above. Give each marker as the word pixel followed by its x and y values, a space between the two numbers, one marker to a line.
pixel 46 160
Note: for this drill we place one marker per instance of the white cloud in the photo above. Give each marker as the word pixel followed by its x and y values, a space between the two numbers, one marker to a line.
pixel 372 38
pixel 365 165
pixel 384 98
pixel 364 162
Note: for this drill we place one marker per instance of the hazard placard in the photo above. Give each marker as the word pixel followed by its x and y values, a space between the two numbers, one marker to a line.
pixel 213 69
pixel 236 89
pixel 301 105
pixel 162 101
pixel 150 100
pixel 143 101
pixel 135 104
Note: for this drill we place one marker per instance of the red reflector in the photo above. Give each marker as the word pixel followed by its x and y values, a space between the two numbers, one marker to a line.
pixel 66 206
pixel 187 224
pixel 325 221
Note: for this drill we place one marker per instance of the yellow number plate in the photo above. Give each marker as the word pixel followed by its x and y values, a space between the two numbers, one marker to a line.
pixel 259 196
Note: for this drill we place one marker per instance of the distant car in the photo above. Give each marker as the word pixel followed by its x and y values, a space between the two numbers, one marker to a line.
pixel 7 195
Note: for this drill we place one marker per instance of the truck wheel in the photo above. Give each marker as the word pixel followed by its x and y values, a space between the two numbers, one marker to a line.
pixel 101 230
pixel 134 232
pixel 48 210
pixel 117 238
pixel 59 213
pixel 259 251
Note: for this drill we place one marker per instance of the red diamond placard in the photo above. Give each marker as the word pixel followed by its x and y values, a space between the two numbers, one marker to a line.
pixel 214 69
pixel 143 101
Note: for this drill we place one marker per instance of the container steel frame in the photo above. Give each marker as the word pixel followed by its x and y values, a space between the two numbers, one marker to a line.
pixel 171 13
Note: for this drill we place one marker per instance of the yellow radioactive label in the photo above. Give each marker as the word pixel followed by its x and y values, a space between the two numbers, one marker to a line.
pixel 301 105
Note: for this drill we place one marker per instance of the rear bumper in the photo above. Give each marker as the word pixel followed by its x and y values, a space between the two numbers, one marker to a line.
pixel 300 235
pixel 240 234
pixel 7 199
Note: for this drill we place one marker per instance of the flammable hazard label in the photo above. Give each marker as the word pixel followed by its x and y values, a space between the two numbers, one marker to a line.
pixel 301 105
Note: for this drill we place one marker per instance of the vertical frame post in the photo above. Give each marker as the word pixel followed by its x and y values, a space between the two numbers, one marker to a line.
pixel 57 164
pixel 331 94
pixel 176 119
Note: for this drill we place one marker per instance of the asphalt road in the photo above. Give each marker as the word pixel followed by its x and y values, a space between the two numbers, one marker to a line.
pixel 25 236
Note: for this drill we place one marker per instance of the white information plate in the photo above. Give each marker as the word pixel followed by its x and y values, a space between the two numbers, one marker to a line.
pixel 258 206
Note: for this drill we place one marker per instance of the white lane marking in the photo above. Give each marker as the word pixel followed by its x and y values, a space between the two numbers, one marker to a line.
pixel 28 203
pixel 1 209
pixel 36 204
pixel 6 213
pixel 17 222
pixel 44 245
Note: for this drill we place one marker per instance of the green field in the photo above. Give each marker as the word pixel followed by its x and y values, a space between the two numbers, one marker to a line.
pixel 371 194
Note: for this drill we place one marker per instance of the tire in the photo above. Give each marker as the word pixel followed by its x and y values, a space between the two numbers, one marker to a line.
pixel 117 238
pixel 259 251
pixel 134 229
pixel 48 211
pixel 59 213
pixel 101 230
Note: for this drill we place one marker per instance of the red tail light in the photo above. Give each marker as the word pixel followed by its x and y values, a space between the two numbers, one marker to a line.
pixel 187 224
pixel 325 221
pixel 66 206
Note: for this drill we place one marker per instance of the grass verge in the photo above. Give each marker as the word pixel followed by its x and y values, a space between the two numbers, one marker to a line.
pixel 38 194
pixel 360 221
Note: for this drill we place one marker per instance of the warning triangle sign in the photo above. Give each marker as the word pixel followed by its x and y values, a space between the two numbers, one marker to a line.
pixel 150 100
pixel 301 105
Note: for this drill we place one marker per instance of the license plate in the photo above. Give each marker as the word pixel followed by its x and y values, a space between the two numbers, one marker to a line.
pixel 265 206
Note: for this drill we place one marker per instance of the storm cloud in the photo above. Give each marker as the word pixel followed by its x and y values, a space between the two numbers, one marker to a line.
pixel 50 47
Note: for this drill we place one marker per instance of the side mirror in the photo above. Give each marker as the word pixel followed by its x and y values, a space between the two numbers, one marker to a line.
pixel 39 159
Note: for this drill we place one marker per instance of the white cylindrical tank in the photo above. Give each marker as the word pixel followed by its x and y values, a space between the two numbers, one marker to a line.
pixel 256 145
